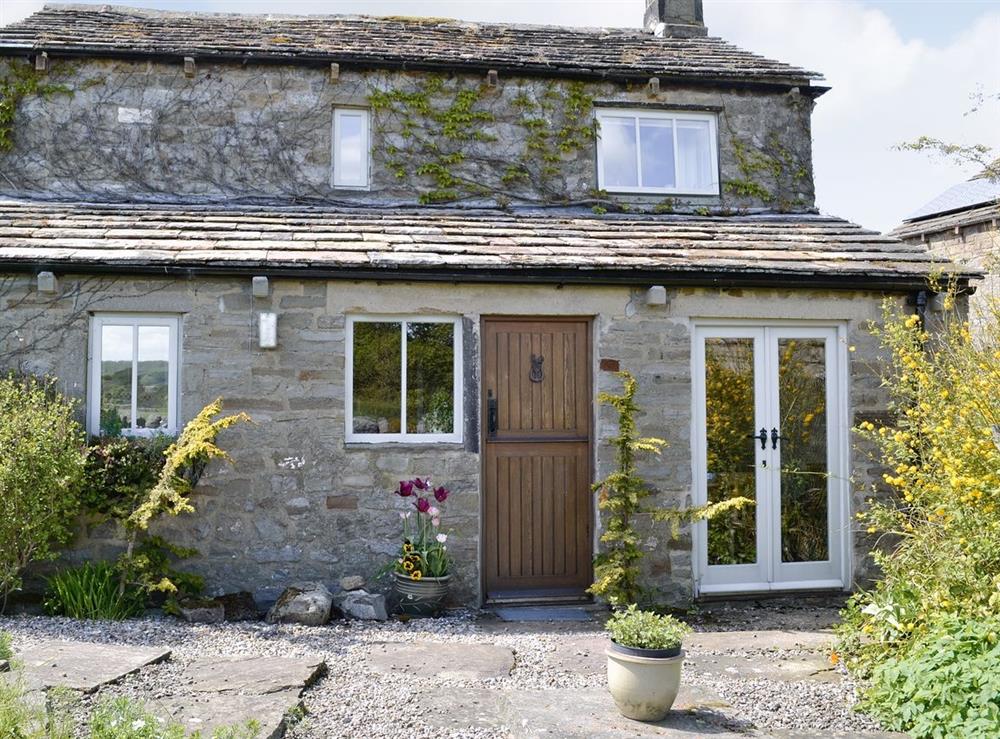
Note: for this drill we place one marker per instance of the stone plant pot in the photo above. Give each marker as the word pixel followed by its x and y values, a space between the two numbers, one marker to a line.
pixel 644 682
pixel 423 597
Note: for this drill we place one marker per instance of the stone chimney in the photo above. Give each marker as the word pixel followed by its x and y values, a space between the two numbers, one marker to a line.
pixel 677 18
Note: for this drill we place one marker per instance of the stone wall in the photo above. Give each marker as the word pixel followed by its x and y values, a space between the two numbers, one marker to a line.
pixel 142 130
pixel 299 502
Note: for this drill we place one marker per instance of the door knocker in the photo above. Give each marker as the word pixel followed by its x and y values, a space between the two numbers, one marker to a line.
pixel 536 374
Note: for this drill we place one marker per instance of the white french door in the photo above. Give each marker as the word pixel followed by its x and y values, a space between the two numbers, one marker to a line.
pixel 770 424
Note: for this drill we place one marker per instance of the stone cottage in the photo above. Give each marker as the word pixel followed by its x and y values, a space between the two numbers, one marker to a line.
pixel 416 246
pixel 960 225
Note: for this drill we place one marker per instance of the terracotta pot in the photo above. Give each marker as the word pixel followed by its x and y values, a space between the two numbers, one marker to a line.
pixel 423 597
pixel 644 686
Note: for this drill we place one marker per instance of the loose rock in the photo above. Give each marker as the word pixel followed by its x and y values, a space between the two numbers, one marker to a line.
pixel 352 582
pixel 202 611
pixel 239 606
pixel 307 603
pixel 362 605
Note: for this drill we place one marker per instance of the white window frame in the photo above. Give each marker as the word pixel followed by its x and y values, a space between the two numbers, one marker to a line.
pixel 339 181
pixel 456 436
pixel 636 113
pixel 97 323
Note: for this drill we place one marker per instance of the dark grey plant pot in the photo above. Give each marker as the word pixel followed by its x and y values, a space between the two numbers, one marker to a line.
pixel 422 597
pixel 651 653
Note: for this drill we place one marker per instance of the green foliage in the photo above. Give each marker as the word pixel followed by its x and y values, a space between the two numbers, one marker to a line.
pixel 443 129
pixel 978 154
pixel 774 160
pixel 947 684
pixel 151 569
pixel 20 81
pixel 939 517
pixel 120 471
pixel 42 457
pixel 123 718
pixel 646 629
pixel 23 716
pixel 6 649
pixel 92 591
pixel 621 496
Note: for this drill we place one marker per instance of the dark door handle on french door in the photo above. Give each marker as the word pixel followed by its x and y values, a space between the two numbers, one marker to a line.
pixel 762 437
pixel 491 414
pixel 776 437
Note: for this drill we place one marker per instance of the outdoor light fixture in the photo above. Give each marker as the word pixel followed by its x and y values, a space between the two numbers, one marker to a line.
pixel 268 333
pixel 42 62
pixel 334 72
pixel 656 295
pixel 189 67
pixel 47 282
pixel 261 287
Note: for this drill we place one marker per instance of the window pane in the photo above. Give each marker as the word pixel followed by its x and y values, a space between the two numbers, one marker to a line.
pixel 430 378
pixel 153 377
pixel 694 155
pixel 377 384
pixel 116 379
pixel 618 152
pixel 729 418
pixel 804 478
pixel 350 136
pixel 656 140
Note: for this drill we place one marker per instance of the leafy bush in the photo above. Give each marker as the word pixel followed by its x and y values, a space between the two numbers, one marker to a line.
pixel 42 457
pixel 6 649
pixel 92 591
pixel 940 530
pixel 120 471
pixel 646 629
pixel 23 716
pixel 946 685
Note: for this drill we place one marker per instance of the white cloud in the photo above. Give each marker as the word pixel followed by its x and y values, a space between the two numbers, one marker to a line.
pixel 886 89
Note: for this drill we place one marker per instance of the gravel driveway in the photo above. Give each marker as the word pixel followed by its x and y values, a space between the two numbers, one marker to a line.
pixel 379 685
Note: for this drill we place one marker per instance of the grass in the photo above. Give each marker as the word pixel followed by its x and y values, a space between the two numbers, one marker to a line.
pixel 92 592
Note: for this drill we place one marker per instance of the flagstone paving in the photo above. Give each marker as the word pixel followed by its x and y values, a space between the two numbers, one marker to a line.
pixel 84 666
pixel 464 662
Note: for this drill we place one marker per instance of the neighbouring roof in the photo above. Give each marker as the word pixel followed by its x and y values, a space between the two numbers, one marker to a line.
pixel 948 221
pixel 456 244
pixel 975 192
pixel 103 30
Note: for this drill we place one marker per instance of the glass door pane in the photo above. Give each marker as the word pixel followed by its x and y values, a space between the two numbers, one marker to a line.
pixel 802 417
pixel 730 417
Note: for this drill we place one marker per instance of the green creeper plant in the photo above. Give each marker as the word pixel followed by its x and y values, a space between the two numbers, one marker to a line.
pixel 20 81
pixel 621 497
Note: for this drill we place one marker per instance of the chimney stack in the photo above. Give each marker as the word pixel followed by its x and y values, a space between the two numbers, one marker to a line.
pixel 677 18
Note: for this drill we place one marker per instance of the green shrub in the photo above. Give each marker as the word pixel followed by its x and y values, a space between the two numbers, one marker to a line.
pixel 42 453
pixel 120 471
pixel 23 716
pixel 6 648
pixel 947 684
pixel 92 591
pixel 646 629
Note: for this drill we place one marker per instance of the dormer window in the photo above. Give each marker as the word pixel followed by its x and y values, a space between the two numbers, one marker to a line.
pixel 657 152
pixel 351 150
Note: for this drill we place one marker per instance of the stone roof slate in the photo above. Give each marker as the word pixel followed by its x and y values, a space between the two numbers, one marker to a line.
pixel 97 30
pixel 949 221
pixel 976 192
pixel 434 243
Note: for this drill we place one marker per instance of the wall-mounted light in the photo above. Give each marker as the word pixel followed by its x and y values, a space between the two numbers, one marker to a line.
pixel 656 295
pixel 654 85
pixel 42 62
pixel 267 323
pixel 334 72
pixel 261 287
pixel 47 282
pixel 189 67
pixel 493 78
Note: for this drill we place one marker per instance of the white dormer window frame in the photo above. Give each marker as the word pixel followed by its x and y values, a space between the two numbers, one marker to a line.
pixel 351 169
pixel 700 179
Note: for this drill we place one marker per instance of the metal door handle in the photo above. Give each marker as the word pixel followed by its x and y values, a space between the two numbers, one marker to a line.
pixel 762 437
pixel 491 414
pixel 776 437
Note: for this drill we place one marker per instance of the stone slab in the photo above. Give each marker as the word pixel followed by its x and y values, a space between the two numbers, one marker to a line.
pixel 573 713
pixel 468 708
pixel 442 660
pixel 746 640
pixel 528 614
pixel 815 667
pixel 254 675
pixel 208 712
pixel 581 655
pixel 84 666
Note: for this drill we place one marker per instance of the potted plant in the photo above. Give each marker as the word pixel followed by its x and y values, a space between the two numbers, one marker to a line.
pixel 644 662
pixel 421 573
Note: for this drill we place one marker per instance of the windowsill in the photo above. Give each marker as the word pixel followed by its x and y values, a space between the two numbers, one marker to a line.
pixel 404 444
pixel 661 193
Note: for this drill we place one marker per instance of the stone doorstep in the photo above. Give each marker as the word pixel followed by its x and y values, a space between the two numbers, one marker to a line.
pixel 84 666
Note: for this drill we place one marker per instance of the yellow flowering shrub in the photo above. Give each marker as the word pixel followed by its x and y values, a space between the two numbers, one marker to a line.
pixel 939 530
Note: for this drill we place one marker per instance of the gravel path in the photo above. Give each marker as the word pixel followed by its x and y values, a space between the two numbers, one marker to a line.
pixel 355 700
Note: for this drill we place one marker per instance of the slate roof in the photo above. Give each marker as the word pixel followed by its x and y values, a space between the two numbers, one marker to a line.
pixel 948 221
pixel 455 244
pixel 978 191
pixel 97 30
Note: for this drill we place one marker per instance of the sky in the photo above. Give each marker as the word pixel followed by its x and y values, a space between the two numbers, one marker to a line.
pixel 898 68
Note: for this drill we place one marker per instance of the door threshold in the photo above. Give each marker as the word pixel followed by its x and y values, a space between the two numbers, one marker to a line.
pixel 537 599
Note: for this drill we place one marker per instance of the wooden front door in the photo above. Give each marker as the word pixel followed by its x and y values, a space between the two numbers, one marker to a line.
pixel 536 474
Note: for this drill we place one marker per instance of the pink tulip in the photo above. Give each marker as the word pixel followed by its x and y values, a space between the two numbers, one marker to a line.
pixel 423 505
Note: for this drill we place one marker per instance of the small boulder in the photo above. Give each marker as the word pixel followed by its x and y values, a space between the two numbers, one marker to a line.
pixel 4 665
pixel 307 603
pixel 362 605
pixel 239 606
pixel 202 611
pixel 352 582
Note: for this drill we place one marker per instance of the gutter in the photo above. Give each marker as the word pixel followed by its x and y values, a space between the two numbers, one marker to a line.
pixel 558 277
pixel 778 84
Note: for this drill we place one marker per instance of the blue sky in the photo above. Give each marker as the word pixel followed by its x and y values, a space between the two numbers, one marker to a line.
pixel 898 68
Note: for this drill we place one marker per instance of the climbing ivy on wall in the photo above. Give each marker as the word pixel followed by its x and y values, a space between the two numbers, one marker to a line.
pixel 450 135
pixel 17 82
